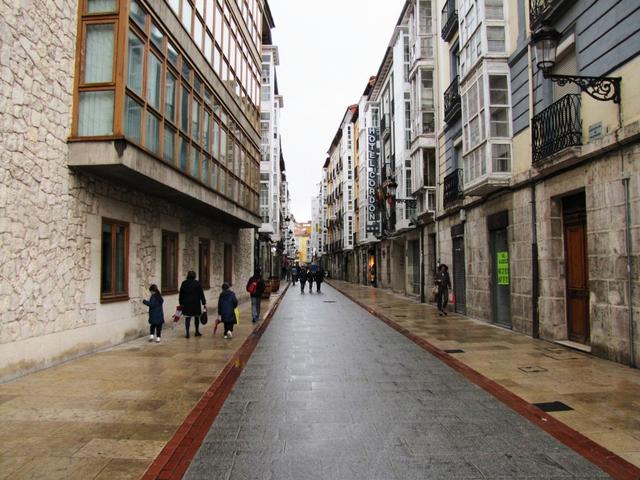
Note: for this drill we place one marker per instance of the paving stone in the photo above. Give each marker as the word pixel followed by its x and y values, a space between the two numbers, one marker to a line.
pixel 333 393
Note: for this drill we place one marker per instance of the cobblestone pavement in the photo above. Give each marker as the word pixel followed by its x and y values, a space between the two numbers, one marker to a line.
pixel 109 414
pixel 604 396
pixel 333 393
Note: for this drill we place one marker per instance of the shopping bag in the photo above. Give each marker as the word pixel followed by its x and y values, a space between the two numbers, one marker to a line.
pixel 237 314
pixel 452 298
pixel 204 319
pixel 434 294
pixel 178 314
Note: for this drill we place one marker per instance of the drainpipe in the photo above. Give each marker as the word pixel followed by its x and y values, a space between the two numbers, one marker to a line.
pixel 632 349
pixel 422 297
pixel 535 280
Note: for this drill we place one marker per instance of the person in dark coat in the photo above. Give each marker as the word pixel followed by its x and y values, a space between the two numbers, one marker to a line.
pixel 295 271
pixel 227 303
pixel 443 281
pixel 191 298
pixel 319 278
pixel 302 276
pixel 156 313
pixel 256 287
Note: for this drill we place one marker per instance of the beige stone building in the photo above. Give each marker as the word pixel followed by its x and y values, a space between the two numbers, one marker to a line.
pixel 129 132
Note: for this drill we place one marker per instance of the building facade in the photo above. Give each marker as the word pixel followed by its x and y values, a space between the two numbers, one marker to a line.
pixel 131 138
pixel 273 194
pixel 522 164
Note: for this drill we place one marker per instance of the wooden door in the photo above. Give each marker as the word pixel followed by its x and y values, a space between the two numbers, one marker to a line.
pixel 577 274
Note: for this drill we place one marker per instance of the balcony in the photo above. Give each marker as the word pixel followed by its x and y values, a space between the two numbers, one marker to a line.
pixel 541 11
pixel 452 103
pixel 450 20
pixel 557 129
pixel 453 188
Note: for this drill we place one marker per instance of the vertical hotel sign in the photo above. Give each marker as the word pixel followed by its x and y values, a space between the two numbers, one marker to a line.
pixel 373 161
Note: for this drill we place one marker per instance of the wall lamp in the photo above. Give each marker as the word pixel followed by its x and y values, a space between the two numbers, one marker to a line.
pixel 545 42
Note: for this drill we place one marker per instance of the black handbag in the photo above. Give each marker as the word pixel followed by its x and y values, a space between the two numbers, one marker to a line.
pixel 204 318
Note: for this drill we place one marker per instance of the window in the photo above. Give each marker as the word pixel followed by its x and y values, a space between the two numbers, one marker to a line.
pixel 170 97
pixel 152 133
pixel 499 105
pixel 495 39
pixel 137 14
pixel 204 263
pixel 501 157
pixel 95 113
pixel 493 9
pixel 168 152
pixel 101 6
pixel 473 114
pixel 114 266
pixel 154 81
pixel 135 61
pixel 169 262
pixel 98 54
pixel 132 119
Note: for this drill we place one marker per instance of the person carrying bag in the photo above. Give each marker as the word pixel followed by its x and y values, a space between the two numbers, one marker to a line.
pixel 227 305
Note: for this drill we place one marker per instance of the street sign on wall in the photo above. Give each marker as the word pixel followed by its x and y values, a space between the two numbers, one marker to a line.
pixel 373 161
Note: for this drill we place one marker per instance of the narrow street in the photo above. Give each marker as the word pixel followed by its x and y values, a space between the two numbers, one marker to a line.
pixel 331 392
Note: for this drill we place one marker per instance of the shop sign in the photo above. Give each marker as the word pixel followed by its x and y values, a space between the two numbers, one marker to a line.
pixel 373 159
pixel 503 268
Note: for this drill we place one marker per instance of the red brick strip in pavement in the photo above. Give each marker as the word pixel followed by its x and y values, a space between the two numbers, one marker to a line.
pixel 175 458
pixel 608 461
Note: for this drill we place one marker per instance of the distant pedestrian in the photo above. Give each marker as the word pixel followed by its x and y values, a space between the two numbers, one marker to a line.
pixel 227 304
pixel 302 276
pixel 295 271
pixel 156 313
pixel 319 278
pixel 443 281
pixel 191 298
pixel 256 287
pixel 310 278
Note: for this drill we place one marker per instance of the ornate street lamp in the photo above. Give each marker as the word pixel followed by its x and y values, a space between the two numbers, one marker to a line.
pixel 545 42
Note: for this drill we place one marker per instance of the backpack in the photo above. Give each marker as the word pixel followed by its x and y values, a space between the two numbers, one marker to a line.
pixel 253 286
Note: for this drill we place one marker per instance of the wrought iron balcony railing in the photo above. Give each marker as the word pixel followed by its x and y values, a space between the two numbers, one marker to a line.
pixel 452 103
pixel 449 20
pixel 557 127
pixel 453 184
pixel 543 10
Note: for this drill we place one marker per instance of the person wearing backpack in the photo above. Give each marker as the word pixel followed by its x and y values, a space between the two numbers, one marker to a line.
pixel 256 287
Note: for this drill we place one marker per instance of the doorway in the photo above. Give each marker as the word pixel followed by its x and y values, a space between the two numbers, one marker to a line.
pixel 574 215
pixel 500 278
pixel 459 272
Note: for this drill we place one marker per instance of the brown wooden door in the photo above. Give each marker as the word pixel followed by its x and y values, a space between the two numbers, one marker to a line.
pixel 577 274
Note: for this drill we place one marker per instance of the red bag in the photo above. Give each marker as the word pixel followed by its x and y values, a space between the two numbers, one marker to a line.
pixel 252 287
pixel 178 314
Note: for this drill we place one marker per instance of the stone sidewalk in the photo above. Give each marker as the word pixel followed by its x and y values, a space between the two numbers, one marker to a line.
pixel 604 396
pixel 332 393
pixel 108 415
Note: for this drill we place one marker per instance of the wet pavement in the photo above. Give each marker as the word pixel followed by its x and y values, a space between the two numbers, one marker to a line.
pixel 109 414
pixel 331 392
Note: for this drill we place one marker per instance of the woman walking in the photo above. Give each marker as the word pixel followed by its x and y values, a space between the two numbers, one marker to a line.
pixel 443 281
pixel 302 276
pixel 156 313
pixel 190 298
pixel 227 303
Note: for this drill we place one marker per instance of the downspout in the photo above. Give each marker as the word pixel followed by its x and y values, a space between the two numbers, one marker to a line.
pixel 632 349
pixel 422 272
pixel 535 280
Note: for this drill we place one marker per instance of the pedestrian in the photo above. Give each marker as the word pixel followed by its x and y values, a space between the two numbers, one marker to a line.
pixel 319 278
pixel 294 274
pixel 302 276
pixel 310 278
pixel 256 287
pixel 191 298
pixel 443 281
pixel 227 304
pixel 156 313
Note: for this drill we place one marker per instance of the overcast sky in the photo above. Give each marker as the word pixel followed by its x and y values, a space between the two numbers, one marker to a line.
pixel 328 51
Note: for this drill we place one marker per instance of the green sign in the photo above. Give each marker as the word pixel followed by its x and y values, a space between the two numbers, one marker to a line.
pixel 503 268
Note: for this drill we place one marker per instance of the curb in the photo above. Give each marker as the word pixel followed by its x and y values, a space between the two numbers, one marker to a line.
pixel 609 462
pixel 176 456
